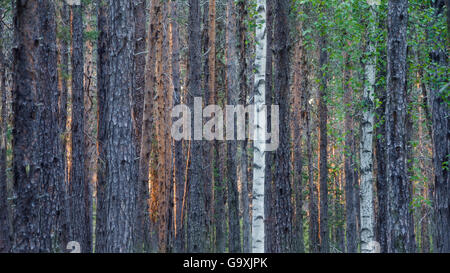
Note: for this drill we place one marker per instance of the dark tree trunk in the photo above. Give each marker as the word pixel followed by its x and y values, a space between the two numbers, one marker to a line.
pixel 269 227
pixel 300 84
pixel 78 191
pixel 234 239
pixel 140 42
pixel 396 169
pixel 282 197
pixel 380 152
pixel 243 145
pixel 117 152
pixel 441 143
pixel 196 226
pixel 37 164
pixel 348 161
pixel 323 144
pixel 63 64
pixel 180 165
pixel 5 240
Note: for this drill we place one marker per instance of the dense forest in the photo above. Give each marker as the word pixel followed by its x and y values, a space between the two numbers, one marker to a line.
pixel 344 148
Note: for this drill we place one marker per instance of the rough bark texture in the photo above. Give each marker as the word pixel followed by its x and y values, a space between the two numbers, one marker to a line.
pixel 269 157
pixel 5 240
pixel 117 152
pixel 323 144
pixel 380 152
pixel 196 226
pixel 78 192
pixel 180 166
pixel 140 53
pixel 441 143
pixel 259 161
pixel 143 217
pixel 37 163
pixel 283 191
pixel 300 84
pixel 232 79
pixel 162 183
pixel 396 171
pixel 243 145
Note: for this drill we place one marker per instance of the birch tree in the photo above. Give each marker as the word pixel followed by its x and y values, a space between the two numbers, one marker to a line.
pixel 366 153
pixel 259 131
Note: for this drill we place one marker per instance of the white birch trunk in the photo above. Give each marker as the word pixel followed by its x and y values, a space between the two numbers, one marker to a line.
pixel 259 131
pixel 367 208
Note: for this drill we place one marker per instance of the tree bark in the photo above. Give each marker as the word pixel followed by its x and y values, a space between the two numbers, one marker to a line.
pixel 140 53
pixel 349 160
pixel 196 226
pixel 117 152
pixel 78 191
pixel 323 144
pixel 441 143
pixel 366 144
pixel 283 191
pixel 37 163
pixel 5 239
pixel 232 80
pixel 259 160
pixel 180 166
pixel 396 171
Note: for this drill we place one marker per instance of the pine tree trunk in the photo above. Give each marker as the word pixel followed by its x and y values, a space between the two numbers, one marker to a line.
pixel 180 166
pixel 283 206
pixel 323 144
pixel 196 226
pixel 269 228
pixel 78 191
pixel 37 164
pixel 300 84
pixel 441 143
pixel 243 145
pixel 140 39
pixel 117 152
pixel 5 240
pixel 232 80
pixel 396 171
pixel 349 162
pixel 380 153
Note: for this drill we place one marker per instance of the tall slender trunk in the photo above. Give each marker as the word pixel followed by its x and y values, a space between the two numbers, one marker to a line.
pixel 143 229
pixel 269 157
pixel 196 226
pixel 366 152
pixel 232 99
pixel 349 160
pixel 78 191
pixel 300 84
pixel 323 144
pixel 396 171
pixel 140 52
pixel 380 151
pixel 243 145
pixel 117 152
pixel 259 161
pixel 180 166
pixel 441 143
pixel 5 240
pixel 283 206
